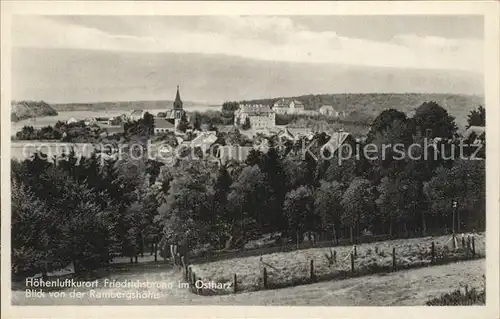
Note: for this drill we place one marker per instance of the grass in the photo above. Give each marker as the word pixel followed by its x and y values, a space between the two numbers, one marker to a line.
pixel 293 268
pixel 457 298
pixel 402 288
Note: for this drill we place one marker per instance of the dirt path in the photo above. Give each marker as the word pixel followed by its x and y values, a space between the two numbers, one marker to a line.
pixel 404 288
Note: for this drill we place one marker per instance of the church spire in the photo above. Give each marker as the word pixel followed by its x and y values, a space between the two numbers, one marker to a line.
pixel 178 101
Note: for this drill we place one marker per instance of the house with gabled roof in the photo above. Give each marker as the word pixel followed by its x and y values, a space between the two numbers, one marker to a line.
pixel 259 116
pixel 288 106
pixel 337 139
pixel 296 133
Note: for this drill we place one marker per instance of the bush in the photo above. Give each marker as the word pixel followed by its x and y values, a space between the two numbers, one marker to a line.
pixel 457 298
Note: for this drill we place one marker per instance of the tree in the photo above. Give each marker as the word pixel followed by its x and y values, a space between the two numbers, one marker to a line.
pixel 464 183
pixel 183 123
pixel 272 167
pixel 185 213
pixel 246 125
pixel 251 196
pixel 432 120
pixel 327 203
pixel 477 117
pixel 299 211
pixel 385 121
pixel 358 204
pixel 220 220
pixel 393 134
pixel 28 227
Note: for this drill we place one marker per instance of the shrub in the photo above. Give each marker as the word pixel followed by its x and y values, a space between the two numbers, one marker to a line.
pixel 457 298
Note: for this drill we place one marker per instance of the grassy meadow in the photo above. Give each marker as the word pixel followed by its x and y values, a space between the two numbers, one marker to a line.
pixel 293 268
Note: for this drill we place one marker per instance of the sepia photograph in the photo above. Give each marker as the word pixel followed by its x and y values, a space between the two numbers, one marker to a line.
pixel 258 159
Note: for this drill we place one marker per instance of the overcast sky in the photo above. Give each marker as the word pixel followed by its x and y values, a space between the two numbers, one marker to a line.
pixel 447 43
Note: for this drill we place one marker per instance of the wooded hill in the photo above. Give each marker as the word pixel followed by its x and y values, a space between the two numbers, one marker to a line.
pixel 21 110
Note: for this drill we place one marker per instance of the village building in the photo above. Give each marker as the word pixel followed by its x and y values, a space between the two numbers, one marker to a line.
pixel 287 106
pixel 172 118
pixel 71 120
pixel 204 140
pixel 90 121
pixel 233 153
pixel 308 112
pixel 163 126
pixel 337 139
pixel 259 116
pixel 475 134
pixel 136 115
pixel 329 110
pixel 176 112
pixel 295 134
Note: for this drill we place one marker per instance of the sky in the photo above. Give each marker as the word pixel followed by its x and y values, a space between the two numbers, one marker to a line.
pixel 444 44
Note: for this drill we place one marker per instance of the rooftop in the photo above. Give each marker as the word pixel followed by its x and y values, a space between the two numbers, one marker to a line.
pixel 163 123
pixel 255 109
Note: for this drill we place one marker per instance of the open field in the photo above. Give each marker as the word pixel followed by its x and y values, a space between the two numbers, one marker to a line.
pixel 403 288
pixel 293 268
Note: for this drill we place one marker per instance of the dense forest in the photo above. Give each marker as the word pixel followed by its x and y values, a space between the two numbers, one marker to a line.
pixel 89 211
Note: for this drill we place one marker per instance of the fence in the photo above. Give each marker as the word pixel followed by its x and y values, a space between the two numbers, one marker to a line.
pixel 351 263
pixel 211 256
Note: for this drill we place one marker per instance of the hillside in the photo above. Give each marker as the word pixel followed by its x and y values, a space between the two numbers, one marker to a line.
pixel 21 110
pixel 121 105
pixel 373 103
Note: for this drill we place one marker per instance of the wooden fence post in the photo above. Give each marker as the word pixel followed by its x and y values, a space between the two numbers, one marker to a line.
pixel 194 282
pixel 311 270
pixel 468 242
pixel 297 240
pixel 454 243
pixel 156 250
pixel 264 278
pixel 199 289
pixel 473 248
pixel 463 241
pixel 352 262
pixel 189 274
pixel 335 256
pixel 193 279
pixel 433 252
pixel 184 267
pixel 355 252
pixel 235 283
pixel 393 258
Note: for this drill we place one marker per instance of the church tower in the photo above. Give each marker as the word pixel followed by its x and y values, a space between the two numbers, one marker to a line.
pixel 178 105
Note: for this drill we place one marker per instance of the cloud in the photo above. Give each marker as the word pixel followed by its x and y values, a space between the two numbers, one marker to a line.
pixel 256 37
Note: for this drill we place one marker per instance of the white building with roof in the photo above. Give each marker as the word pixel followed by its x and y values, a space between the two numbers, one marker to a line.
pixel 259 116
pixel 288 106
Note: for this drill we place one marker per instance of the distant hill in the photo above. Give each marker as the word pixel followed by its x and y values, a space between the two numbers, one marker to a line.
pixel 21 110
pixel 122 105
pixel 373 103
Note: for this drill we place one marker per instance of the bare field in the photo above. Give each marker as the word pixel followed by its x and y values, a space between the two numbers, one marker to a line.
pixel 293 268
pixel 403 288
